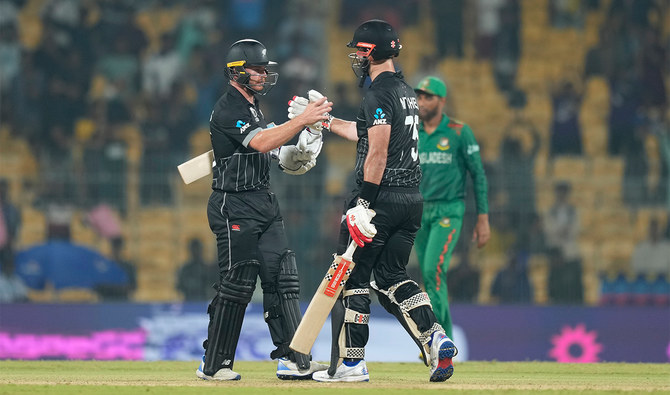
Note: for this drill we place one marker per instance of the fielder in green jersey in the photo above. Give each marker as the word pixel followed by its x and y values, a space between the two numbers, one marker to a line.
pixel 447 152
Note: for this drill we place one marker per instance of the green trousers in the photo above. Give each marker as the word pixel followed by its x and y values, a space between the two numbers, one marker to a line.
pixel 434 244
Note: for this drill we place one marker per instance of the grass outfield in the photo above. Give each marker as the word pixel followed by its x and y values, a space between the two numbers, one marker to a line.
pixel 119 378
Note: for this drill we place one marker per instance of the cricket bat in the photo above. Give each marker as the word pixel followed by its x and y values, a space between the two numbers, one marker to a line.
pixel 201 166
pixel 323 301
pixel 196 168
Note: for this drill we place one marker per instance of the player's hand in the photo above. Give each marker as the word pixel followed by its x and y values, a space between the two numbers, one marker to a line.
pixel 359 223
pixel 298 104
pixel 290 161
pixel 309 144
pixel 482 232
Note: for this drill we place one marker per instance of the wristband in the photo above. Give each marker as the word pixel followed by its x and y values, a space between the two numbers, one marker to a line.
pixel 369 192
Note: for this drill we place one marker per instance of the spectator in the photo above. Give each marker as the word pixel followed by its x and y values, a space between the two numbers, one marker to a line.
pixel 660 128
pixel 566 13
pixel 511 284
pixel 566 134
pixel 625 99
pixel 507 47
pixel 488 26
pixel 119 292
pixel 10 220
pixel 196 277
pixel 463 281
pixel 448 20
pixel 162 68
pixel 565 279
pixel 635 190
pixel 562 223
pixel 651 256
pixel 12 287
pixel 517 167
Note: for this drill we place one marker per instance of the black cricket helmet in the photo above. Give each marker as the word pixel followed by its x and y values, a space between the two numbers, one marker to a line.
pixel 248 53
pixel 374 38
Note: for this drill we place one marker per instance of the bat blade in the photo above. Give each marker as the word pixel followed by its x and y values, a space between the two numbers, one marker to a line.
pixel 322 302
pixel 196 168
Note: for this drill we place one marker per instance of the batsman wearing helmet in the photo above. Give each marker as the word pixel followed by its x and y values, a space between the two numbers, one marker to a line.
pixel 244 214
pixel 383 214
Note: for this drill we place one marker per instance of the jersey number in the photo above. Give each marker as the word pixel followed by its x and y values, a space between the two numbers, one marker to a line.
pixel 413 122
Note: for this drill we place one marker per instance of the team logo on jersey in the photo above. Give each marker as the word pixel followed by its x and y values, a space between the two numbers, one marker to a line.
pixel 445 223
pixel 254 114
pixel 380 117
pixel 243 126
pixel 443 144
pixel 235 227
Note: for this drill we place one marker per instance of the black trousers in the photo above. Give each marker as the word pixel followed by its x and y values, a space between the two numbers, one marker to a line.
pixel 398 219
pixel 248 225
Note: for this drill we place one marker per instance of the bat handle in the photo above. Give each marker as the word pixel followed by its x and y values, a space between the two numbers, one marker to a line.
pixel 349 253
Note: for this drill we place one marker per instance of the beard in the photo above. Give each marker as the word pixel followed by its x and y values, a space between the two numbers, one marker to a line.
pixel 427 115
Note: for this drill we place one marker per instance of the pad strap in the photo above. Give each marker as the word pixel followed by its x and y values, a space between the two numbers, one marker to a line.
pixel 354 317
pixel 415 301
pixel 356 291
pixel 354 352
pixel 425 336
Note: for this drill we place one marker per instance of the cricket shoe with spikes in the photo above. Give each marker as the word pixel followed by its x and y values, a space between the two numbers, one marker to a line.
pixel 288 370
pixel 225 374
pixel 442 350
pixel 345 373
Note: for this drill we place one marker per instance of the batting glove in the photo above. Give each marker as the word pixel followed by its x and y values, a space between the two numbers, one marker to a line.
pixel 309 144
pixel 297 105
pixel 290 161
pixel 359 223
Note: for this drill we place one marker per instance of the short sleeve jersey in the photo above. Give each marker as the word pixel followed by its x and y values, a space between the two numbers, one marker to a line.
pixel 391 101
pixel 232 125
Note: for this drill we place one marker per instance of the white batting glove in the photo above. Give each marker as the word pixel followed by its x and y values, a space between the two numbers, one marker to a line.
pixel 297 105
pixel 290 161
pixel 309 144
pixel 359 223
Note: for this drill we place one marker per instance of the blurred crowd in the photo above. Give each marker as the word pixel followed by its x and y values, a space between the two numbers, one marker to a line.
pixel 98 87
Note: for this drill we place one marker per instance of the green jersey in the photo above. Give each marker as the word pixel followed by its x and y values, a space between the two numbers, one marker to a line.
pixel 445 156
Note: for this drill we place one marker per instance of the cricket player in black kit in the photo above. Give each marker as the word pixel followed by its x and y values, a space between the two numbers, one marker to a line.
pixel 383 214
pixel 244 215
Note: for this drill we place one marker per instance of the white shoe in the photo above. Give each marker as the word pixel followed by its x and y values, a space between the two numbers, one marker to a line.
pixel 442 350
pixel 358 372
pixel 221 375
pixel 288 370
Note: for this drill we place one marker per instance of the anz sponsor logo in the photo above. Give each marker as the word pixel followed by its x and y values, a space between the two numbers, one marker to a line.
pixel 243 126
pixel 441 158
pixel 380 117
pixel 472 148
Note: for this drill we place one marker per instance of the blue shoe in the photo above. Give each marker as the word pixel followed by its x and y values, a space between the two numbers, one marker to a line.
pixel 225 374
pixel 442 350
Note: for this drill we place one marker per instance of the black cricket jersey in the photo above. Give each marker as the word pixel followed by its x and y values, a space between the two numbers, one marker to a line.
pixel 232 125
pixel 391 101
